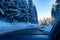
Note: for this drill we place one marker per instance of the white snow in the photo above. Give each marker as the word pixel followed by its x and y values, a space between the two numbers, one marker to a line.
pixel 46 28
pixel 8 27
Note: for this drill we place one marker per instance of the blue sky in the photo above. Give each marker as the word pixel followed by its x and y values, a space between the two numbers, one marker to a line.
pixel 43 8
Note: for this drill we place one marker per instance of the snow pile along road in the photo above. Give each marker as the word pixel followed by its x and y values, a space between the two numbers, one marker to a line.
pixel 8 27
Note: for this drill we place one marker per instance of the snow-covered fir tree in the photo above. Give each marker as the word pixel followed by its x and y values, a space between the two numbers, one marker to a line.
pixel 32 12
pixel 23 9
pixel 18 10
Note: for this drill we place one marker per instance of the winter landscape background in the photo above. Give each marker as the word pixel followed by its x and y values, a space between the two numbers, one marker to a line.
pixel 19 14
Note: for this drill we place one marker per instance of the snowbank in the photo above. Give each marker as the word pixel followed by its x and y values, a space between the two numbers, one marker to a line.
pixel 46 28
pixel 8 27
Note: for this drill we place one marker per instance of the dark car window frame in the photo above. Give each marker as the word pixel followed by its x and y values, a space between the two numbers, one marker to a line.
pixel 56 21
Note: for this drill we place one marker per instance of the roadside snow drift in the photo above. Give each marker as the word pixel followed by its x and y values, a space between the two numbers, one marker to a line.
pixel 8 27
